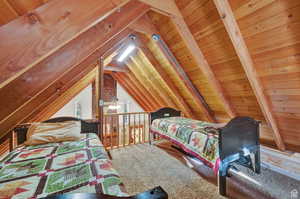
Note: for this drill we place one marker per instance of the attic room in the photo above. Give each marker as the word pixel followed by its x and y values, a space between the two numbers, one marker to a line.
pixel 149 99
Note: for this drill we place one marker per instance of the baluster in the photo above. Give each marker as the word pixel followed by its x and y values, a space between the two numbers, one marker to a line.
pixel 111 131
pixel 105 129
pixel 118 134
pixel 123 130
pixel 148 127
pixel 134 128
pixel 139 128
pixel 144 128
pixel 129 127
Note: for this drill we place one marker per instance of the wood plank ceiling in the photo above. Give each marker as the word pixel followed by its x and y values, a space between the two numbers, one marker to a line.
pixel 242 56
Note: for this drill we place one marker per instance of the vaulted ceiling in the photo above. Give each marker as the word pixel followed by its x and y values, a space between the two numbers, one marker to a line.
pixel 222 58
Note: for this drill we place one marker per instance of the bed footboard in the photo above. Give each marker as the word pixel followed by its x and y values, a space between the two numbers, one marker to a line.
pixel 238 143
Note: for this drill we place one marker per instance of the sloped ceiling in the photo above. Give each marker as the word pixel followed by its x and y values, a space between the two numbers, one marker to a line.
pixel 270 29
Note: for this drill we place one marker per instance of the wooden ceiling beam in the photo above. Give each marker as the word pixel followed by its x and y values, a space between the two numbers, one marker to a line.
pixel 132 87
pixel 121 80
pixel 116 69
pixel 143 95
pixel 34 80
pixel 66 97
pixel 199 100
pixel 144 81
pixel 151 79
pixel 197 97
pixel 167 7
pixel 37 102
pixel 46 29
pixel 140 88
pixel 243 53
pixel 176 17
pixel 40 102
pixel 142 42
pixel 146 96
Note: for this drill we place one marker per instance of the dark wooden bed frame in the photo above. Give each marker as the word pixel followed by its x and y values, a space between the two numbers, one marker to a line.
pixel 88 127
pixel 238 143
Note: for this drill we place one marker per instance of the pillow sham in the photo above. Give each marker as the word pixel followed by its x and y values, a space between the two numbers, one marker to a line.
pixel 43 133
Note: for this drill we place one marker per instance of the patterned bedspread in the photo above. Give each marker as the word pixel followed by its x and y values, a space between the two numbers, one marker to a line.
pixel 195 137
pixel 73 167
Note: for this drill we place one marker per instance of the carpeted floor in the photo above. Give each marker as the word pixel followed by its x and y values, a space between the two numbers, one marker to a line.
pixel 143 167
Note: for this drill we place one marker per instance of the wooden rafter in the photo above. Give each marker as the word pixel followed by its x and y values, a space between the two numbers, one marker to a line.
pixel 141 89
pixel 176 17
pixel 65 58
pixel 145 98
pixel 144 81
pixel 142 41
pixel 167 7
pixel 65 97
pixel 152 30
pixel 116 69
pixel 37 102
pixel 242 51
pixel 199 100
pixel 45 30
pixel 30 111
pixel 197 97
pixel 124 83
pixel 202 63
pixel 61 61
pixel 151 79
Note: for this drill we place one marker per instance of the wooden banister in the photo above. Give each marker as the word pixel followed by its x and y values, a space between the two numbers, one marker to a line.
pixel 123 129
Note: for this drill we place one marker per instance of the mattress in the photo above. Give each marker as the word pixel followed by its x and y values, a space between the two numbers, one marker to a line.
pixel 197 138
pixel 56 168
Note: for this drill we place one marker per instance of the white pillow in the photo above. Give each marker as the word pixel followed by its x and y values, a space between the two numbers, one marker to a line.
pixel 43 133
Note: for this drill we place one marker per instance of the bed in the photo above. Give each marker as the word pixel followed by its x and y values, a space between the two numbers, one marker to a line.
pixel 218 147
pixel 64 169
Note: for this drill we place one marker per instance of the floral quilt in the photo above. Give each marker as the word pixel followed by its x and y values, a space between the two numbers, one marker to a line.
pixel 56 168
pixel 195 137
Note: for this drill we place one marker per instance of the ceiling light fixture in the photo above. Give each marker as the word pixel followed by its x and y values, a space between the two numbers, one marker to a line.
pixel 128 50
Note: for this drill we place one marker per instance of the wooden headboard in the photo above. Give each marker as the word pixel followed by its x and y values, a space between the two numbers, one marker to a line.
pixel 86 127
pixel 164 112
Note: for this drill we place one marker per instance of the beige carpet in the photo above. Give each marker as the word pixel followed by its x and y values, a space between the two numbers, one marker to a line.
pixel 143 167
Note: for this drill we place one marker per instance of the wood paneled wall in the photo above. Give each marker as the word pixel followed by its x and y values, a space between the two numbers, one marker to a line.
pixel 177 46
pixel 271 30
pixel 11 9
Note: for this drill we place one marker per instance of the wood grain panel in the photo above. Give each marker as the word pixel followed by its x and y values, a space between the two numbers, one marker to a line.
pixel 155 64
pixel 7 12
pixel 44 30
pixel 272 35
pixel 154 79
pixel 202 17
pixel 130 89
pixel 146 83
pixel 142 90
pixel 37 102
pixel 29 84
pixel 65 97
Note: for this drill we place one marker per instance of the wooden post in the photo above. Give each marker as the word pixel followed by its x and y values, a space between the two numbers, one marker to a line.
pixel 94 99
pixel 100 95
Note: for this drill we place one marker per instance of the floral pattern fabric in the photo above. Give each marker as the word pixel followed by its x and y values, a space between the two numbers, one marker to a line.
pixel 56 168
pixel 198 138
